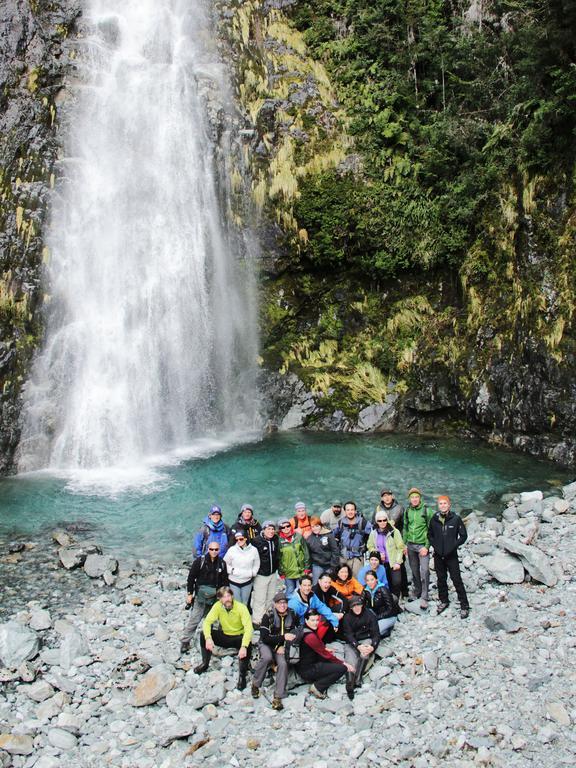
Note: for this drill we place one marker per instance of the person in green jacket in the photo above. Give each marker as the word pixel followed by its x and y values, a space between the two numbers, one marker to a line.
pixel 293 556
pixel 235 632
pixel 417 518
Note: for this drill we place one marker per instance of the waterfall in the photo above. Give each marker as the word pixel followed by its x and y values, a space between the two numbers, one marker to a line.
pixel 151 335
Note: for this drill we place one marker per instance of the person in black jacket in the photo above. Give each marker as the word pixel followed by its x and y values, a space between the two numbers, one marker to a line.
pixel 247 524
pixel 446 533
pixel 324 549
pixel 205 577
pixel 360 630
pixel 267 582
pixel 317 664
pixel 381 602
pixel 278 627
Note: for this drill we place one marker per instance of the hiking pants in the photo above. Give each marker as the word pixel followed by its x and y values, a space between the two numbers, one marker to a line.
pixel 267 657
pixel 450 565
pixel 420 567
pixel 322 674
pixel 394 580
pixel 265 587
pixel 242 592
pixel 195 616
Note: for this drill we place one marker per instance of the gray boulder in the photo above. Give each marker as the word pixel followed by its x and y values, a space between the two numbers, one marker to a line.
pixel 505 619
pixel 17 644
pixel 533 559
pixel 504 568
pixel 154 685
pixel 97 565
pixel 16 744
pixel 72 647
pixel 38 691
pixel 40 619
pixel 72 557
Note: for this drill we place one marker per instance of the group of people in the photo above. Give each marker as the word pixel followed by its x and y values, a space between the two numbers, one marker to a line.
pixel 309 580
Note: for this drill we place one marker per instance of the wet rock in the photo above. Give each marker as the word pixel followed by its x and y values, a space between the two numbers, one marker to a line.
pixel 72 557
pixel 17 644
pixel 97 565
pixel 504 568
pixel 505 619
pixel 62 538
pixel 154 685
pixel 16 546
pixel 16 744
pixel 533 559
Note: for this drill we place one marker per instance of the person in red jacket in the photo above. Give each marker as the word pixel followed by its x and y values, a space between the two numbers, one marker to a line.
pixel 317 664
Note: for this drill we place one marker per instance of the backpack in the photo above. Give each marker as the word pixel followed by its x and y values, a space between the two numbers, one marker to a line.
pixel 353 534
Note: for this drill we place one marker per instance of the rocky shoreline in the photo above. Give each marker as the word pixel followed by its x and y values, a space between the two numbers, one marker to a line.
pixel 92 674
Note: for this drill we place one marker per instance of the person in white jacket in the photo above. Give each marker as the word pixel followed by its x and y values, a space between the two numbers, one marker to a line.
pixel 243 562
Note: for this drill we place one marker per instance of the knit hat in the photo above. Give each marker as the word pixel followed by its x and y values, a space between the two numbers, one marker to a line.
pixel 315 521
pixel 215 510
pixel 444 498
pixel 246 506
pixel 414 490
pixel 386 490
pixel 299 505
pixel 279 596
pixel 355 600
pixel 283 521
pixel 268 524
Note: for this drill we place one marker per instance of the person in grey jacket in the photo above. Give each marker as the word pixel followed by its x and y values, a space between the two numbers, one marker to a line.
pixel 323 548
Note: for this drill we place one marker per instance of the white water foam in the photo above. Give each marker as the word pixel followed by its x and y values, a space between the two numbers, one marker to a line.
pixel 151 335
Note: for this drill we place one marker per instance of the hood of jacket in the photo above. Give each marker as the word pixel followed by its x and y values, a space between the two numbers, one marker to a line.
pixel 378 585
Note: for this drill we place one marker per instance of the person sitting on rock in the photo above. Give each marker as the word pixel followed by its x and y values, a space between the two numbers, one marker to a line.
pixel 387 542
pixel 293 555
pixel 332 516
pixel 345 584
pixel 417 518
pixel 361 633
pixel 235 631
pixel 304 598
pixel 206 575
pixel 301 520
pixel 323 548
pixel 325 592
pixel 446 534
pixel 352 534
pixel 277 628
pixel 243 562
pixel 246 523
pixel 213 529
pixel 317 664
pixel 381 602
pixel 373 564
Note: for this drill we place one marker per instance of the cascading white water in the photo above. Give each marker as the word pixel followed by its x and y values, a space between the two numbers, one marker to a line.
pixel 151 336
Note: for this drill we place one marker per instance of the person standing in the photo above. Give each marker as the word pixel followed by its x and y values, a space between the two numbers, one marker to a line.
pixel 332 516
pixel 243 562
pixel 278 627
pixel 246 523
pixel 206 575
pixel 394 511
pixel 417 518
pixel 387 542
pixel 446 534
pixel 317 664
pixel 352 534
pixel 323 548
pixel 301 520
pixel 266 583
pixel 235 631
pixel 213 529
pixel 293 556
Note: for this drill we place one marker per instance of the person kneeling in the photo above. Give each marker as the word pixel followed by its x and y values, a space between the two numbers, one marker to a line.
pixel 317 664
pixel 382 603
pixel 235 632
pixel 277 629
pixel 362 635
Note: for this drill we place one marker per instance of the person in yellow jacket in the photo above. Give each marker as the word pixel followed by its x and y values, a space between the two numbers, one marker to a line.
pixel 235 632
pixel 387 540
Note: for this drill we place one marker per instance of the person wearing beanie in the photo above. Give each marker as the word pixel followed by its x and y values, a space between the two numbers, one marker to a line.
pixel 446 534
pixel 267 582
pixel 393 511
pixel 301 520
pixel 214 529
pixel 293 555
pixel 417 518
pixel 332 516
pixel 277 631
pixel 324 549
pixel 246 523
pixel 387 542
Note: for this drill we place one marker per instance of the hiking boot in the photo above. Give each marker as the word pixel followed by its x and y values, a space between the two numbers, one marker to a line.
pixel 464 613
pixel 184 646
pixel 315 692
pixel 241 681
pixel 201 668
pixel 441 607
pixel 277 704
pixel 255 691
pixel 350 682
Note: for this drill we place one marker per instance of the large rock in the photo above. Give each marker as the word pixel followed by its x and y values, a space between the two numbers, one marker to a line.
pixel 377 416
pixel 505 619
pixel 569 491
pixel 533 559
pixel 40 619
pixel 72 647
pixel 504 568
pixel 17 644
pixel 181 730
pixel 38 691
pixel 97 565
pixel 154 685
pixel 72 557
pixel 16 744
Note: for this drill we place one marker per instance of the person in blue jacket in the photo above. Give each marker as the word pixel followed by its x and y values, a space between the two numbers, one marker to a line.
pixel 374 564
pixel 303 599
pixel 213 529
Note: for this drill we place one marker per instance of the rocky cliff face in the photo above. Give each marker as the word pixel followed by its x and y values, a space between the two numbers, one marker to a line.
pixel 36 52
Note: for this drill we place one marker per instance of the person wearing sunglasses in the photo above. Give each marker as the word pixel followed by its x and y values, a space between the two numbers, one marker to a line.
pixel 206 575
